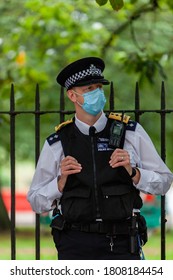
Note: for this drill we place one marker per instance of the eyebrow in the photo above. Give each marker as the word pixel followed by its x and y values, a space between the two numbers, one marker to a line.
pixel 98 84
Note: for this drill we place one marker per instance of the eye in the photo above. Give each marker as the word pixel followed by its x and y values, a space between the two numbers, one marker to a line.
pixel 92 87
pixel 100 86
pixel 89 88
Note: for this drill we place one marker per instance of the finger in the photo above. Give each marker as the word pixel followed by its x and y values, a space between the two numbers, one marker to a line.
pixel 69 157
pixel 71 167
pixel 120 159
pixel 71 171
pixel 70 161
pixel 117 152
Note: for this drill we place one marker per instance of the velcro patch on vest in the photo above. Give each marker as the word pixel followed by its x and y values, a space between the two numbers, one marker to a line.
pixel 103 145
pixel 53 138
pixel 131 125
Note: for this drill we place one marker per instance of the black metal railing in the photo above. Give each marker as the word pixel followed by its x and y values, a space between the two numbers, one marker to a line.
pixel 62 113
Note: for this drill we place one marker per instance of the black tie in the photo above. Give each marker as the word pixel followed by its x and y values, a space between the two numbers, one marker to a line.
pixel 92 131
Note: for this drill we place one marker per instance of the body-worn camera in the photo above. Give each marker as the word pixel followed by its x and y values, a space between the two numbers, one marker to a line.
pixel 117 133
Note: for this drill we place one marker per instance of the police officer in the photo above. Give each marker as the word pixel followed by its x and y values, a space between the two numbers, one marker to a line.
pixel 94 187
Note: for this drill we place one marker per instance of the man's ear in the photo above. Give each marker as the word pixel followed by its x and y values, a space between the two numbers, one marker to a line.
pixel 71 95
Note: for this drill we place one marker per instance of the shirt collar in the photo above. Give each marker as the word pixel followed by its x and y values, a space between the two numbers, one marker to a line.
pixel 99 124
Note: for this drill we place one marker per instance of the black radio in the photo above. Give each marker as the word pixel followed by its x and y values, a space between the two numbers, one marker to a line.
pixel 117 134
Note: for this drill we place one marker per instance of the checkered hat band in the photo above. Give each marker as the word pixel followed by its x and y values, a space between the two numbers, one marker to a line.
pixel 92 71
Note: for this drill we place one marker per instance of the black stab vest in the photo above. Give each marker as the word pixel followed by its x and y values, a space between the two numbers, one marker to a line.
pixel 98 191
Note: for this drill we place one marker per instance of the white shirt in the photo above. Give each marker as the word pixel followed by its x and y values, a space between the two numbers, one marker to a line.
pixel 155 178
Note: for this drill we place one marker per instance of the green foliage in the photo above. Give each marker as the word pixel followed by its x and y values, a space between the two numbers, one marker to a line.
pixel 101 2
pixel 146 66
pixel 116 4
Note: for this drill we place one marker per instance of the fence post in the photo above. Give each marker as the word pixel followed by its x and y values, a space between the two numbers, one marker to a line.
pixel 111 97
pixel 13 179
pixel 163 156
pixel 62 105
pixel 37 152
pixel 137 103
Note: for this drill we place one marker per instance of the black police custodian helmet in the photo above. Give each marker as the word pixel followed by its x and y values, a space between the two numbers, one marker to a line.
pixel 82 72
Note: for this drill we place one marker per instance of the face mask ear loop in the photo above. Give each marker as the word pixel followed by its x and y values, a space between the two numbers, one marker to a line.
pixel 77 101
pixel 75 92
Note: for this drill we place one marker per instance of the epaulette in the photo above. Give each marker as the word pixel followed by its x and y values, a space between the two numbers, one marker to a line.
pixel 118 117
pixel 53 138
pixel 131 125
pixel 58 127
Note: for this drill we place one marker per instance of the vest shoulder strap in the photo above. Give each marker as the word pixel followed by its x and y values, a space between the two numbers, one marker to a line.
pixel 54 137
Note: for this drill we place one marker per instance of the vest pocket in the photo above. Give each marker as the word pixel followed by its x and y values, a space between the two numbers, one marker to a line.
pixel 76 205
pixel 116 201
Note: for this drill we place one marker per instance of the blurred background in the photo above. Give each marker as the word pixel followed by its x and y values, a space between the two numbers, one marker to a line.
pixel 39 37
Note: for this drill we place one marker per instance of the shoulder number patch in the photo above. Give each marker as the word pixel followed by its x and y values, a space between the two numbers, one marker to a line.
pixel 131 125
pixel 53 138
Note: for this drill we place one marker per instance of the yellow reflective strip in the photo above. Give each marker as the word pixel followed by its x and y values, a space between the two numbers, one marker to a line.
pixel 58 127
pixel 118 117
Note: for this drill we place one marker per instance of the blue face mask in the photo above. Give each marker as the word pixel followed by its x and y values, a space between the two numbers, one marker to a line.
pixel 94 101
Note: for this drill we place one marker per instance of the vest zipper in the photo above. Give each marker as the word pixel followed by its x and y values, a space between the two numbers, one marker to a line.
pixel 95 180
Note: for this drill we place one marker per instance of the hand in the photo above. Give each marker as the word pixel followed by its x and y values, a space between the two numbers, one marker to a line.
pixel 69 165
pixel 121 157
